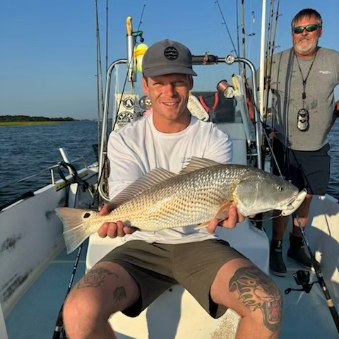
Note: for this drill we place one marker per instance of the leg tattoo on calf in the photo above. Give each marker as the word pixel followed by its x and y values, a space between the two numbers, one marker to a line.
pixel 257 292
pixel 95 278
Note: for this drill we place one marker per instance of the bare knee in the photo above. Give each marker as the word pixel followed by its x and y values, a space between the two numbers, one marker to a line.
pixel 253 295
pixel 261 299
pixel 105 289
pixel 81 314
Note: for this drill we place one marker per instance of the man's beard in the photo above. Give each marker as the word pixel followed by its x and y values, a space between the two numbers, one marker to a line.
pixel 305 48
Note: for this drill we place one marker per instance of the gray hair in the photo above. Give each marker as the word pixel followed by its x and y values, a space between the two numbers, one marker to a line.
pixel 307 12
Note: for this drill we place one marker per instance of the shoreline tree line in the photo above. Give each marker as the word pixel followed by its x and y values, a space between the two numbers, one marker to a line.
pixel 20 118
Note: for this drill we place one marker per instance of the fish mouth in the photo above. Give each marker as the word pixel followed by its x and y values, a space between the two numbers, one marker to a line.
pixel 294 204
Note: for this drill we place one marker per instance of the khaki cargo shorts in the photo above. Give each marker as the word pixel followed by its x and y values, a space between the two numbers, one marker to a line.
pixel 156 267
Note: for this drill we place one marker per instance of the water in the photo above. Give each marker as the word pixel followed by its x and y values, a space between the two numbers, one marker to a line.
pixel 25 151
pixel 30 150
pixel 333 188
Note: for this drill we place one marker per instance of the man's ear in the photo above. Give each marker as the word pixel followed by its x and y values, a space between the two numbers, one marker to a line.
pixel 191 81
pixel 145 85
pixel 321 32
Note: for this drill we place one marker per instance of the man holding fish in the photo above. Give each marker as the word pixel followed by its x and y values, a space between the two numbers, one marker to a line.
pixel 150 261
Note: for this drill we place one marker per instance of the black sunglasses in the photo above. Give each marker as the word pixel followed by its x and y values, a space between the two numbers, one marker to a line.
pixel 309 28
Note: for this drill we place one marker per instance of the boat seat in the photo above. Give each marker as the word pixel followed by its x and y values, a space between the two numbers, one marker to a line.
pixel 236 132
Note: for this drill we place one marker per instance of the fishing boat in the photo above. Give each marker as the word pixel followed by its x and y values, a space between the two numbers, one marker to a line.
pixel 37 274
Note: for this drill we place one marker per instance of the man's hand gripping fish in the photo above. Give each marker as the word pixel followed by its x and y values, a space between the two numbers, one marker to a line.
pixel 200 192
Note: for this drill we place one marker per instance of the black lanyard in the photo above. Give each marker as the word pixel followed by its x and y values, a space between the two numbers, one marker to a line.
pixel 303 95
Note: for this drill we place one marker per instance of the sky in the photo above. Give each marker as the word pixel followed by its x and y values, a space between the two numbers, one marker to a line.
pixel 48 61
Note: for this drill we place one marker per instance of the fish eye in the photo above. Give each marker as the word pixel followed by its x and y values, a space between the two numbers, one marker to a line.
pixel 87 215
pixel 280 188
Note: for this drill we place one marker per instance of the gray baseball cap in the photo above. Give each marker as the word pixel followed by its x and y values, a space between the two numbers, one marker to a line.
pixel 167 57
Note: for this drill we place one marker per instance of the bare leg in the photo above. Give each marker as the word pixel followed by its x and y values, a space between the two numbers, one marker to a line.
pixel 279 225
pixel 105 289
pixel 302 212
pixel 244 288
pixel 296 250
pixel 277 265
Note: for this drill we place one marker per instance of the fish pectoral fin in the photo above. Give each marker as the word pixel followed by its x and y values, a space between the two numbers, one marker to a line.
pixel 202 225
pixel 222 213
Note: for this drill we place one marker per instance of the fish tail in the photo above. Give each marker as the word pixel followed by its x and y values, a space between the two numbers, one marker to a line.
pixel 75 230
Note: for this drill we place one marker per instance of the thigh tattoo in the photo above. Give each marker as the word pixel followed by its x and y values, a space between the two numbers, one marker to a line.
pixel 95 277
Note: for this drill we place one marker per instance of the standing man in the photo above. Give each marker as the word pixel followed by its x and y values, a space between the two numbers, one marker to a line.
pixel 302 82
pixel 134 274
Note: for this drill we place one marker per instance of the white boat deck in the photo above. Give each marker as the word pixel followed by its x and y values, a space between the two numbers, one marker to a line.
pixel 306 315
pixel 34 317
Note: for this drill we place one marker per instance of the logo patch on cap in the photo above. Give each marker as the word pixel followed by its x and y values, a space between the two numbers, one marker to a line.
pixel 171 53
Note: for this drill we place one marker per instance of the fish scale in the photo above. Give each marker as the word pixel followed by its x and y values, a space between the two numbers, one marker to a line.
pixel 192 198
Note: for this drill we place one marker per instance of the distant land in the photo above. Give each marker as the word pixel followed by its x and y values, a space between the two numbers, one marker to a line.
pixel 26 120
pixel 30 118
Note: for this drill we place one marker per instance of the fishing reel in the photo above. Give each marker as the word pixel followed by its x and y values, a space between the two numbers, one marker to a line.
pixel 302 278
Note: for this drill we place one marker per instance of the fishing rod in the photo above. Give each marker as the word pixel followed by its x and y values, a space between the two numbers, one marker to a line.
pixel 130 77
pixel 100 95
pixel 269 34
pixel 243 40
pixel 141 16
pixel 302 278
pixel 107 35
pixel 270 53
pixel 59 331
pixel 267 59
pixel 131 42
pixel 268 80
pixel 132 36
pixel 99 67
pixel 265 76
pixel 237 24
pixel 262 61
pixel 260 127
pixel 226 26
pixel 230 59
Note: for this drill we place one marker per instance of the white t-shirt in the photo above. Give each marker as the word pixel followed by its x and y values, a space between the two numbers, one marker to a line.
pixel 138 148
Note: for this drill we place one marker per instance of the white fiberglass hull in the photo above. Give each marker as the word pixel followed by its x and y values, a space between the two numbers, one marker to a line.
pixel 31 237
